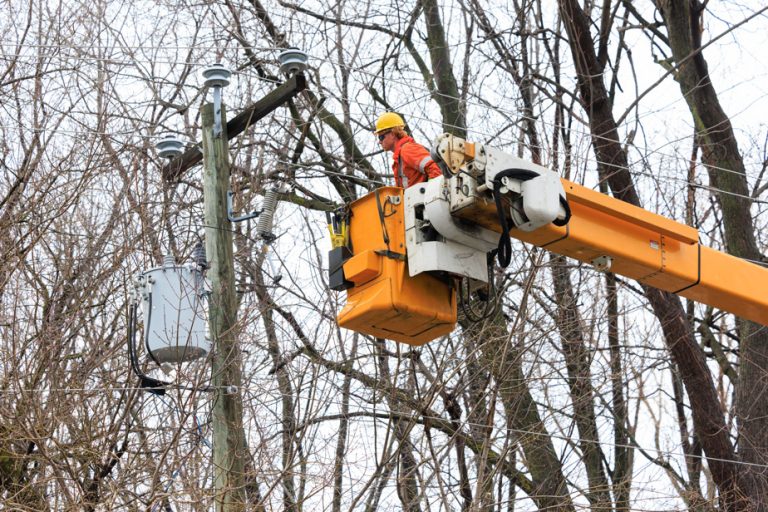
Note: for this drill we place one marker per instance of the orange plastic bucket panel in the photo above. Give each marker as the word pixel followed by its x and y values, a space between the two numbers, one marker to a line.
pixel 362 267
pixel 392 304
pixel 365 230
pixel 411 310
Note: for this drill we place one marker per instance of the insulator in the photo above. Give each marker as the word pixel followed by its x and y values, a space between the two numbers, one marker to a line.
pixel 216 76
pixel 292 61
pixel 199 257
pixel 267 216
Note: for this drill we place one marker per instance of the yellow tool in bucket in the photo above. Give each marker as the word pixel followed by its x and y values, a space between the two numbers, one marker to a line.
pixel 338 228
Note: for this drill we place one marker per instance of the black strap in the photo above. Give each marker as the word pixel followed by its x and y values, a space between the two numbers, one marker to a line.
pixel 391 255
pixel 505 245
pixel 564 203
pixel 384 233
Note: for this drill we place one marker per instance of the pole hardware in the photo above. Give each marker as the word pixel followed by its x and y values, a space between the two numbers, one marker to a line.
pixel 231 212
pixel 216 76
pixel 175 169
pixel 266 221
pixel 266 214
pixel 292 61
pixel 169 146
pixel 229 445
pixel 171 297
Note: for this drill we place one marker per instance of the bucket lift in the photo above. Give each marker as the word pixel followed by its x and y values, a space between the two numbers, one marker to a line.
pixel 384 300
pixel 446 229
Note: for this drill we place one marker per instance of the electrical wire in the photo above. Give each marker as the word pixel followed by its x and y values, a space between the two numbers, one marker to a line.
pixel 518 431
pixel 469 102
pixel 504 251
pixel 491 301
pixel 149 384
pixel 499 109
pixel 629 168
pixel 632 171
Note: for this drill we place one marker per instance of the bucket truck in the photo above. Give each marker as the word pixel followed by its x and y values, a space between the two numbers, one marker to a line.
pixel 404 250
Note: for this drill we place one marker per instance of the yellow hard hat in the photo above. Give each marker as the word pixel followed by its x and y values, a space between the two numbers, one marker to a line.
pixel 388 120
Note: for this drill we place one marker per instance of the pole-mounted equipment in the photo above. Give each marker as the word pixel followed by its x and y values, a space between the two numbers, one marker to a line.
pixel 216 76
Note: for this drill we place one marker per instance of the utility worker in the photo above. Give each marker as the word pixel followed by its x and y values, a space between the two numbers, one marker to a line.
pixel 411 163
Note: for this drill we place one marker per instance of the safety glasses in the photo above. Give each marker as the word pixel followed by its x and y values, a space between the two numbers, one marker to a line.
pixel 383 135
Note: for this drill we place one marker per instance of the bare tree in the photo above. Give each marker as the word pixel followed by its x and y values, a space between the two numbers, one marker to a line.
pixel 580 391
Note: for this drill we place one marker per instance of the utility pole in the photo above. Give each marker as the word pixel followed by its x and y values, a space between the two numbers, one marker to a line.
pixel 229 445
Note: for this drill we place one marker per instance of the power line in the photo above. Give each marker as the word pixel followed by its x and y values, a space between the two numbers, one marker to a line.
pixel 631 170
pixel 373 412
pixel 499 109
pixel 542 120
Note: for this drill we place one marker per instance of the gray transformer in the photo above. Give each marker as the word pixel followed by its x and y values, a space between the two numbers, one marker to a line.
pixel 173 302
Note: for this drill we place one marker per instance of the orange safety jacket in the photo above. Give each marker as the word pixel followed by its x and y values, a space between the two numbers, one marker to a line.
pixel 411 163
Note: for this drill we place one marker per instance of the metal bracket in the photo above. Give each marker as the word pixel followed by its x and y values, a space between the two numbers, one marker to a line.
pixel 217 111
pixel 231 214
pixel 392 255
pixel 216 76
pixel 510 186
pixel 602 263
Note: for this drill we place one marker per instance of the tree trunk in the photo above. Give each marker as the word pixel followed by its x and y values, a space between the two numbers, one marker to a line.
pixel 448 90
pixel 501 357
pixel 407 478
pixel 725 166
pixel 709 420
pixel 580 384
pixel 622 453
pixel 286 393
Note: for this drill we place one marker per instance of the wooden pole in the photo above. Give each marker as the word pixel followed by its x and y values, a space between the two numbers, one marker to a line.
pixel 228 435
